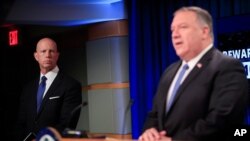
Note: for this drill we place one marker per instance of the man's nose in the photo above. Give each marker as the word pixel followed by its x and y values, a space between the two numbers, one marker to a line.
pixel 175 34
pixel 47 54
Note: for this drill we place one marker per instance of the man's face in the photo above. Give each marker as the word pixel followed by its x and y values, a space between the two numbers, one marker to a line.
pixel 187 35
pixel 46 55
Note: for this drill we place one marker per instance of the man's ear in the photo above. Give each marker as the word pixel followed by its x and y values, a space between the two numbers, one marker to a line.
pixel 35 56
pixel 206 32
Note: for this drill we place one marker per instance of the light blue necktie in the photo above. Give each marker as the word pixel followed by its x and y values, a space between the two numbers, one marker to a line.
pixel 40 92
pixel 176 86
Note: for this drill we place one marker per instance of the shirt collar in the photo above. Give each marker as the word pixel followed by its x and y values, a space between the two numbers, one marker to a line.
pixel 51 73
pixel 191 63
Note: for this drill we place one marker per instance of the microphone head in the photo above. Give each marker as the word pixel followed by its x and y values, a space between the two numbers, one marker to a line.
pixel 85 103
pixel 68 133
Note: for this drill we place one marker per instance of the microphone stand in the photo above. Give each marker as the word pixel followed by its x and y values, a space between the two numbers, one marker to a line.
pixel 70 133
pixel 131 101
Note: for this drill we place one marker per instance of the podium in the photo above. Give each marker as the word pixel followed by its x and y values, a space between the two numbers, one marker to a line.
pixel 51 134
pixel 86 139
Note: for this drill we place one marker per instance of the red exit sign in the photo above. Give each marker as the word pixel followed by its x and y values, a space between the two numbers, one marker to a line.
pixel 13 37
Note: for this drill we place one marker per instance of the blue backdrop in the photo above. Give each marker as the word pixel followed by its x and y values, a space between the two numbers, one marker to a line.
pixel 151 50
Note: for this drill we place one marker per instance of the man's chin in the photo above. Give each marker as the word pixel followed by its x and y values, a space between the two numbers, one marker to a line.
pixel 180 54
pixel 49 67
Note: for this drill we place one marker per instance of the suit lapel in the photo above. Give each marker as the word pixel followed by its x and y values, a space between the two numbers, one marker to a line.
pixel 168 80
pixel 168 77
pixel 199 67
pixel 34 89
pixel 51 90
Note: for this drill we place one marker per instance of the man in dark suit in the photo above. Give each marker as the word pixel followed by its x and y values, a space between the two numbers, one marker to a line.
pixel 61 94
pixel 210 97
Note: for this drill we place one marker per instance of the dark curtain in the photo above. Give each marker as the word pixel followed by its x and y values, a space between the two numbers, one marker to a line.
pixel 151 50
pixel 149 55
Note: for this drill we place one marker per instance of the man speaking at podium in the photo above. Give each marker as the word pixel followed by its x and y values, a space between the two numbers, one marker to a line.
pixel 50 99
pixel 204 95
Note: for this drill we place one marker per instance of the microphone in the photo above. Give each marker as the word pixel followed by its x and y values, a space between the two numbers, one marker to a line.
pixel 131 101
pixel 124 121
pixel 31 136
pixel 71 133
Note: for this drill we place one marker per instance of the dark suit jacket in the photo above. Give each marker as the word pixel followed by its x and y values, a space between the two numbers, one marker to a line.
pixel 61 98
pixel 210 101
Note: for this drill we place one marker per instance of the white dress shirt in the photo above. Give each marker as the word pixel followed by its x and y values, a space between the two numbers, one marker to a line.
pixel 191 65
pixel 51 75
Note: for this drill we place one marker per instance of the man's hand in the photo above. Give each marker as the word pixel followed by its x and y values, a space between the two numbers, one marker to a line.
pixel 153 135
pixel 165 138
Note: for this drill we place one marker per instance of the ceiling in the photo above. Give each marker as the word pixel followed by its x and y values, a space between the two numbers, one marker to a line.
pixel 78 1
pixel 60 12
pixel 5 6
